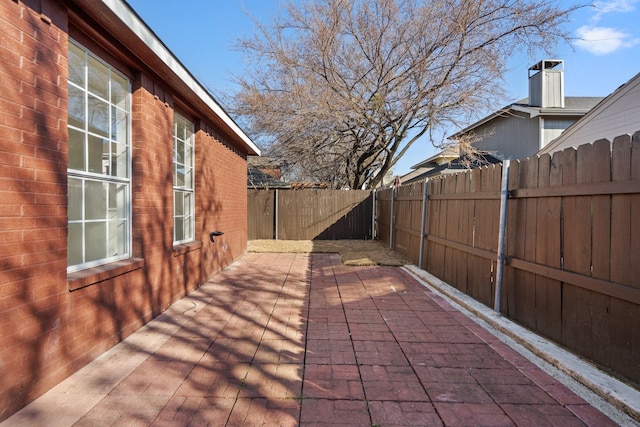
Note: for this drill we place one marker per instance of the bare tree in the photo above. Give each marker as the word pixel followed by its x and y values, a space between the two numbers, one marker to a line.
pixel 341 89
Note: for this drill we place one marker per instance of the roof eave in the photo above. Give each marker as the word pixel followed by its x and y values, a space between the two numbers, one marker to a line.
pixel 531 111
pixel 536 111
pixel 119 16
pixel 480 122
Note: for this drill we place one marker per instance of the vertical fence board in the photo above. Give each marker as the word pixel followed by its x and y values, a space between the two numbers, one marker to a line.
pixel 633 370
pixel 476 273
pixel 624 339
pixel 494 204
pixel 513 238
pixel 601 207
pixel 402 216
pixel 576 310
pixel 408 215
pixel 562 243
pixel 465 225
pixel 416 223
pixel 422 249
pixel 482 275
pixel 437 214
pixel 586 164
pixel 492 207
pixel 310 214
pixel 622 312
pixel 548 291
pixel 516 239
pixel 578 253
pixel 600 253
pixel 260 214
pixel 635 213
pixel 450 231
pixel 525 286
pixel 383 222
pixel 570 294
pixel 620 214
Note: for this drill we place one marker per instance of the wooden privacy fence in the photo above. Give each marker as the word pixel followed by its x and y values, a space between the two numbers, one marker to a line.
pixel 571 258
pixel 310 214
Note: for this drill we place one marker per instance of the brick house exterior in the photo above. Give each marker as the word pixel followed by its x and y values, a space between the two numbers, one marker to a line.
pixel 57 317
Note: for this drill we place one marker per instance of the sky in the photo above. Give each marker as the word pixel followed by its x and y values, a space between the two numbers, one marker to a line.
pixel 202 33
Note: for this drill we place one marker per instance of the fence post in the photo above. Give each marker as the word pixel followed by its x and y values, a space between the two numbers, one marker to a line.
pixel 393 210
pixel 275 216
pixel 504 195
pixel 423 225
pixel 373 214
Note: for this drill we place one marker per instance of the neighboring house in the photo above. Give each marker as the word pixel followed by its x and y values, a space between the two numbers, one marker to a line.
pixel 266 165
pixel 387 180
pixel 423 169
pixel 458 164
pixel 516 131
pixel 617 114
pixel 258 180
pixel 461 163
pixel 264 173
pixel 521 129
pixel 116 166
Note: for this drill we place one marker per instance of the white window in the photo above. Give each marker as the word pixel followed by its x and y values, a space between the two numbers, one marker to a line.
pixel 183 198
pixel 99 187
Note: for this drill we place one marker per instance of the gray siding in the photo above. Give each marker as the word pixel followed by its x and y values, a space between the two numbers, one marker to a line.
pixel 553 95
pixel 546 89
pixel 514 136
pixel 553 128
pixel 618 114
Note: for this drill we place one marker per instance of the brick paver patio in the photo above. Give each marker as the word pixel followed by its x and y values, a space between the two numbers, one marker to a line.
pixel 299 339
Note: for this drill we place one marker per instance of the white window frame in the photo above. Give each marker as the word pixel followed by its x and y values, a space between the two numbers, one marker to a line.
pixel 183 180
pixel 111 175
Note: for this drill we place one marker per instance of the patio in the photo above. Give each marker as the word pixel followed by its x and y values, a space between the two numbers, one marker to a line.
pixel 300 339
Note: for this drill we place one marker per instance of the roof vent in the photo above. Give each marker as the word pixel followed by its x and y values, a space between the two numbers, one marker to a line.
pixel 546 84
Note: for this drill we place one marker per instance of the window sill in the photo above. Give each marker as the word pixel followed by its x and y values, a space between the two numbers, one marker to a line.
pixel 183 248
pixel 91 276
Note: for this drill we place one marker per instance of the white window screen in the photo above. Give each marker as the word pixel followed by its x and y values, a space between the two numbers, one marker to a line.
pixel 183 197
pixel 99 227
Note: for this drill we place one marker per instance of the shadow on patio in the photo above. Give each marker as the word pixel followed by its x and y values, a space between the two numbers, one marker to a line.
pixel 300 339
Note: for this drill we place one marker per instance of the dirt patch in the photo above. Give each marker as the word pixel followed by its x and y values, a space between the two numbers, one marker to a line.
pixel 352 252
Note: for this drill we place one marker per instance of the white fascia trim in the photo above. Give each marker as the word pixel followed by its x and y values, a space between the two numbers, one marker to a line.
pixel 541 133
pixel 564 112
pixel 140 29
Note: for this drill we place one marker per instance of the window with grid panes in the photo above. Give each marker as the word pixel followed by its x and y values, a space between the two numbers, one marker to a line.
pixel 99 185
pixel 183 197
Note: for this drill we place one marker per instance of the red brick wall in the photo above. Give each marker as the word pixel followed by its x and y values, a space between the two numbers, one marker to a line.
pixel 48 331
pixel 221 199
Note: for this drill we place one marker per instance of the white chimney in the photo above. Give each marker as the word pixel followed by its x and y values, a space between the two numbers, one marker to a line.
pixel 546 84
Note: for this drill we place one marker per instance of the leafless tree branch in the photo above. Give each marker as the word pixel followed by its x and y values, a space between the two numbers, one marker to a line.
pixel 341 89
